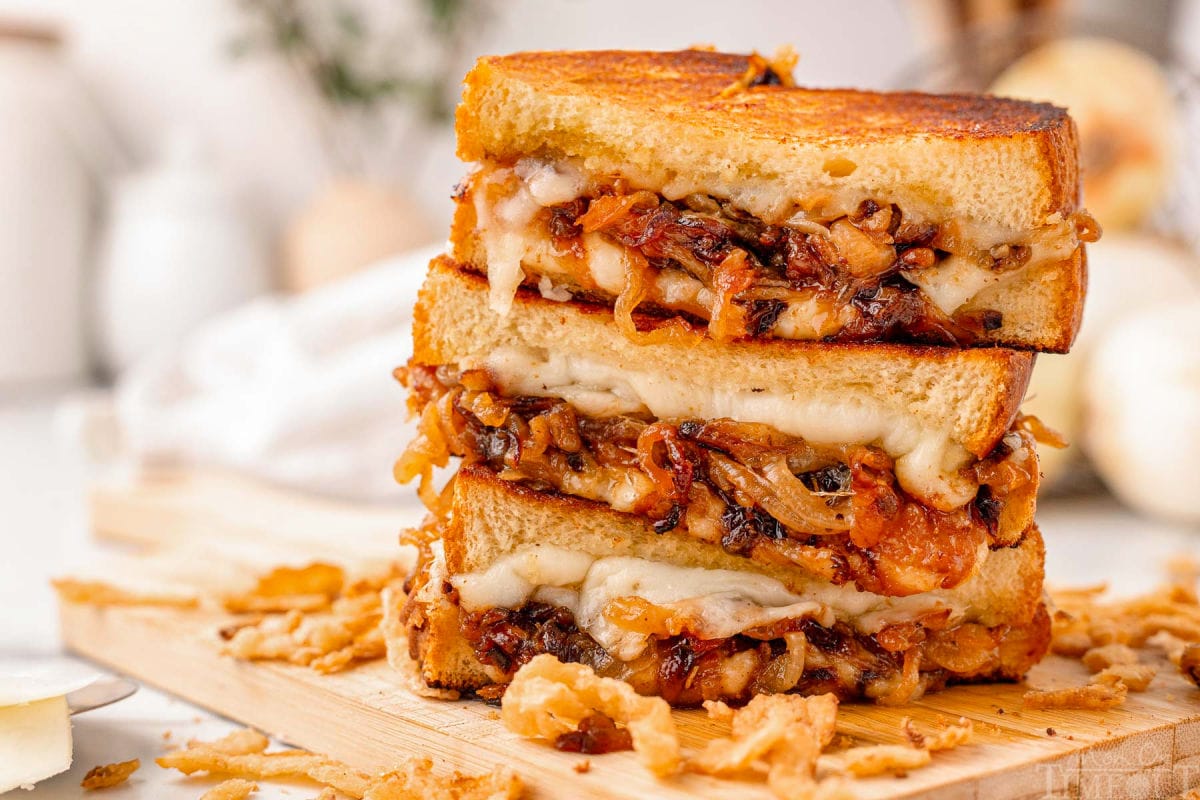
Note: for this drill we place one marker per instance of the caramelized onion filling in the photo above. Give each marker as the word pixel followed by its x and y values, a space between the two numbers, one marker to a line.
pixel 836 511
pixel 870 274
pixel 894 666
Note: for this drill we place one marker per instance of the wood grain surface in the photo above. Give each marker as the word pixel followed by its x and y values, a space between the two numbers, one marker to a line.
pixel 1148 748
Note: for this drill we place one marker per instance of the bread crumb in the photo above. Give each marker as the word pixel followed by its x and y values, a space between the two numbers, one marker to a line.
pixel 583 766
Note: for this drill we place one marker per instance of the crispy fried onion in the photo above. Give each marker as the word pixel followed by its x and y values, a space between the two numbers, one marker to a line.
pixel 786 733
pixel 106 775
pixel 340 632
pixel 242 754
pixel 1107 635
pixel 232 789
pixel 548 698
pixel 1094 696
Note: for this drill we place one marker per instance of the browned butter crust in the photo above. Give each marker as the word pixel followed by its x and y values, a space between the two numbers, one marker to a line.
pixel 462 651
pixel 659 118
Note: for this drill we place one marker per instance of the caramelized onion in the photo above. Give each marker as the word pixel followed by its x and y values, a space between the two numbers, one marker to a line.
pixel 783 672
pixel 731 277
pixel 610 209
pixel 791 503
pixel 1040 431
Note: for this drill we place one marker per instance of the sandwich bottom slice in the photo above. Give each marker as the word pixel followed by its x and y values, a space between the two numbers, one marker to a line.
pixel 519 572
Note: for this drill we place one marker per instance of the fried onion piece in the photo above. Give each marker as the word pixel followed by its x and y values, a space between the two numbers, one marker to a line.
pixel 1083 619
pixel 548 698
pixel 1101 658
pixel 1170 644
pixel 876 759
pixel 309 588
pixel 107 775
pixel 787 732
pixel 718 711
pixel 947 738
pixel 99 593
pixel 1189 663
pixel 203 757
pixel 232 789
pixel 415 780
pixel 346 634
pixel 1136 677
pixel 239 743
pixel 1093 696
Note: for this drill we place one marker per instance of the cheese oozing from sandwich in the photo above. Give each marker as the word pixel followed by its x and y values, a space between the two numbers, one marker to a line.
pixel 508 199
pixel 715 603
pixel 928 462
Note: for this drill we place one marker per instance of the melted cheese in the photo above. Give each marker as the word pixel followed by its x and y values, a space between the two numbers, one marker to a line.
pixel 927 460
pixel 511 241
pixel 717 603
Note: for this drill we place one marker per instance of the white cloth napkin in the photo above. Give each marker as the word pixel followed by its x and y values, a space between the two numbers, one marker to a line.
pixel 297 390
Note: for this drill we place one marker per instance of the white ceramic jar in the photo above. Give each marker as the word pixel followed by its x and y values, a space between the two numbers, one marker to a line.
pixel 179 248
pixel 46 192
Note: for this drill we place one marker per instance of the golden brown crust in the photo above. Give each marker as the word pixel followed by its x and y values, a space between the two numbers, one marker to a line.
pixel 686 83
pixel 494 516
pixel 977 392
pixel 605 105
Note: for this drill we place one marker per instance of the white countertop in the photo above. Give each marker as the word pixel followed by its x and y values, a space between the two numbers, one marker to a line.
pixel 44 534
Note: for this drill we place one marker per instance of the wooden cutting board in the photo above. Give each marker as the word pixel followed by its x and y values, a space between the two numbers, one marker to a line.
pixel 1148 748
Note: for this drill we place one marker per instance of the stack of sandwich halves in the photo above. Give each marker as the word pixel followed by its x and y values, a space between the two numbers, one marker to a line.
pixel 734 371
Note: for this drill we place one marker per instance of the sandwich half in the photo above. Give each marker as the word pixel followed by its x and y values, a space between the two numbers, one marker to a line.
pixel 897 470
pixel 705 188
pixel 519 572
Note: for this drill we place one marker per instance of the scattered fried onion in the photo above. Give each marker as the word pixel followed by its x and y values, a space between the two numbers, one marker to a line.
pixel 1103 634
pixel 107 775
pixel 232 789
pixel 242 754
pixel 876 759
pixel 548 698
pixel 1092 696
pixel 415 781
pixel 947 738
pixel 786 732
pixel 1136 677
pixel 346 632
pixel 99 593
pixel 198 757
pixel 310 588
pixel 1189 663
pixel 1105 656
pixel 238 743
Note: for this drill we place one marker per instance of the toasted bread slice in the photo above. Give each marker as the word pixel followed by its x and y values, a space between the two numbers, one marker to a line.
pixel 659 119
pixel 493 518
pixel 1003 171
pixel 930 408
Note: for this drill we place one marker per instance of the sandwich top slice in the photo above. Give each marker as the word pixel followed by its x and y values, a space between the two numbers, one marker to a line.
pixel 519 573
pixel 705 187
pixel 895 469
